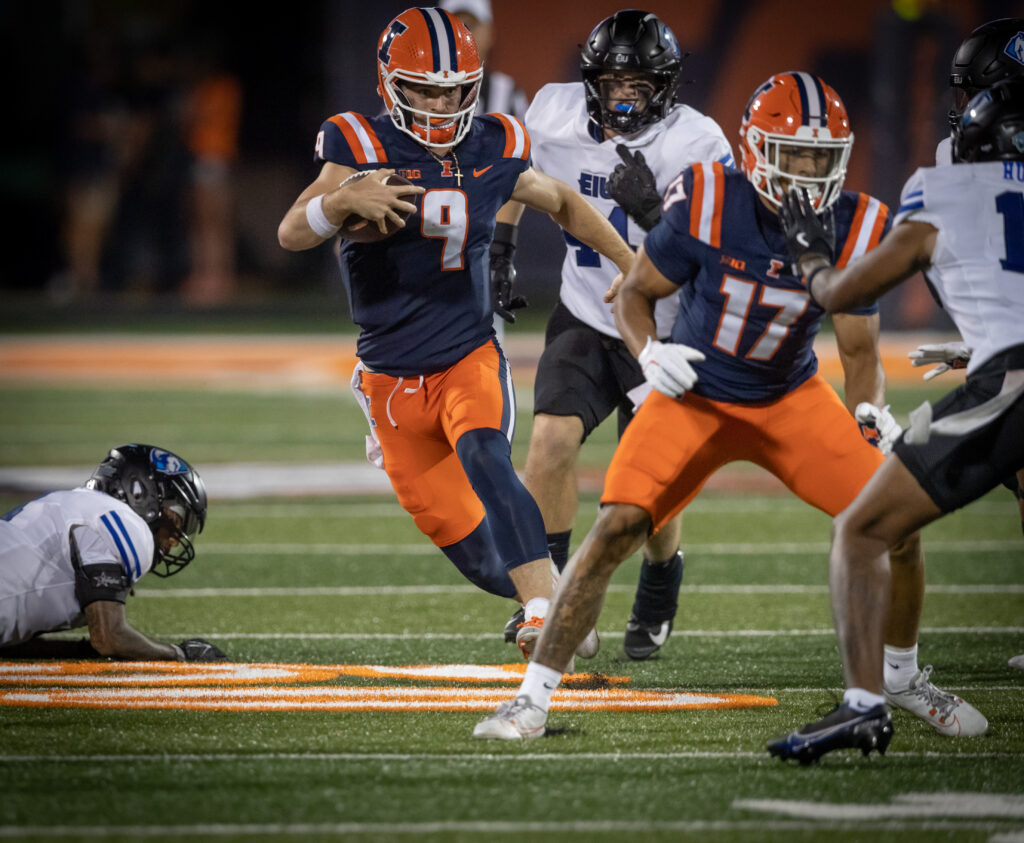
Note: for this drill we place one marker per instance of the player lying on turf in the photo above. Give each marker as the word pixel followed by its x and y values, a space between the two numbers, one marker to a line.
pixel 71 558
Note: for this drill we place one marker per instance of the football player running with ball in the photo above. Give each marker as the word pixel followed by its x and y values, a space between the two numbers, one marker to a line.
pixel 432 377
pixel 962 224
pixel 621 138
pixel 738 380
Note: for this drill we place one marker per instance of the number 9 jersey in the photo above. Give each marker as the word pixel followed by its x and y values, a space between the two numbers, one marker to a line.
pixel 422 296
pixel 741 303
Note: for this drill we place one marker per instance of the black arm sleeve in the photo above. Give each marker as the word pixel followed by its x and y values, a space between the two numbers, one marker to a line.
pixel 102 581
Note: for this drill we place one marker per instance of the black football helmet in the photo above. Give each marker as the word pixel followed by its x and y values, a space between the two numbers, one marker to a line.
pixel 993 52
pixel 636 41
pixel 165 491
pixel 992 125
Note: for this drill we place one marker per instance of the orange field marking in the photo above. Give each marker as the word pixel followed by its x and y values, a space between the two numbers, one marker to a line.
pixel 226 687
pixel 319 360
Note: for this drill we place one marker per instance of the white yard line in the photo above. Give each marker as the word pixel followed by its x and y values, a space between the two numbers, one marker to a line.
pixel 391 590
pixel 484 827
pixel 424 548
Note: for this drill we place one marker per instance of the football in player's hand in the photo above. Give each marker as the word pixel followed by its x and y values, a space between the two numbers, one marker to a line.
pixel 362 230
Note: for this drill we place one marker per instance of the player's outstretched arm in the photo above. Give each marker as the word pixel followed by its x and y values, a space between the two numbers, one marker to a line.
pixel 323 206
pixel 904 251
pixel 575 214
pixel 111 635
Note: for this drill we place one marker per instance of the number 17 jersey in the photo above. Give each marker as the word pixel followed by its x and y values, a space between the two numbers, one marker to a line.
pixel 741 303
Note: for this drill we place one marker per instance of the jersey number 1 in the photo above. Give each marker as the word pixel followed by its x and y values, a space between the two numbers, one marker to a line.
pixel 1011 206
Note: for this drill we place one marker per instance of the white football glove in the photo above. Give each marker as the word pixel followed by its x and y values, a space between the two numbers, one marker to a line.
pixel 666 366
pixel 878 426
pixel 948 355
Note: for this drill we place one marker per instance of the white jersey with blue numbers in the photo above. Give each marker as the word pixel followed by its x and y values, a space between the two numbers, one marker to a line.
pixel 977 267
pixel 37 573
pixel 563 147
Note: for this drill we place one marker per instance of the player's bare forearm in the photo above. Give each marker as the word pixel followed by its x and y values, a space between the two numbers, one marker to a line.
pixel 111 635
pixel 586 224
pixel 368 197
pixel 634 317
pixel 857 343
pixel 573 213
pixel 905 250
pixel 635 300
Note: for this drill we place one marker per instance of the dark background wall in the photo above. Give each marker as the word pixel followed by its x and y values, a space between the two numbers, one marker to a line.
pixel 300 62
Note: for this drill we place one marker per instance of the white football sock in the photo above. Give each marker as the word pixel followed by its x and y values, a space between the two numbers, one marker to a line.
pixel 860 700
pixel 540 683
pixel 899 667
pixel 537 607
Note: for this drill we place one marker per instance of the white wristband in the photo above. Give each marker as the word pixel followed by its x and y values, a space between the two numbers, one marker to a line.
pixel 317 219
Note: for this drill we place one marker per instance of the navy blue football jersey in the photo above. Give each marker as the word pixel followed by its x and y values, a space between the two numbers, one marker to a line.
pixel 741 303
pixel 422 297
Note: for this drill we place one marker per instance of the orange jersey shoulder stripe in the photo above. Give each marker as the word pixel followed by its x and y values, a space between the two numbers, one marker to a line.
pixel 362 140
pixel 706 199
pixel 517 139
pixel 866 229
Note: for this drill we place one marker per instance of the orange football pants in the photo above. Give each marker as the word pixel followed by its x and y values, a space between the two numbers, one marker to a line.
pixel 808 439
pixel 418 421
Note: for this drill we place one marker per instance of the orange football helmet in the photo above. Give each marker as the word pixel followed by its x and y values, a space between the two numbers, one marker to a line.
pixel 796 115
pixel 428 46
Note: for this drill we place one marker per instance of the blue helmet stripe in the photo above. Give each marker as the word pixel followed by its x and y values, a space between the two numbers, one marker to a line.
pixel 442 39
pixel 428 16
pixel 812 100
pixel 449 38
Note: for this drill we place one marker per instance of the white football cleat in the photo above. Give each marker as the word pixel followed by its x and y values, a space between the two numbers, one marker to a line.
pixel 589 646
pixel 947 713
pixel 514 720
pixel 1017 662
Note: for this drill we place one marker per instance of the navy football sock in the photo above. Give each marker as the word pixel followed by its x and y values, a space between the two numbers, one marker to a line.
pixel 558 547
pixel 657 593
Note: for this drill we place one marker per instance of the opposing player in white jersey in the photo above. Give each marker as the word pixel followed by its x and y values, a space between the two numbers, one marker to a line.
pixel 70 558
pixel 964 224
pixel 620 138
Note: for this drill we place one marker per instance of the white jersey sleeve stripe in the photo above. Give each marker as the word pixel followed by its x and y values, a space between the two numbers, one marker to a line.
pixel 867 226
pixel 707 204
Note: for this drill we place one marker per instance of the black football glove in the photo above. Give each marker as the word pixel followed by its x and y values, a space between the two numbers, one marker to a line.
pixel 503 272
pixel 806 232
pixel 198 650
pixel 632 186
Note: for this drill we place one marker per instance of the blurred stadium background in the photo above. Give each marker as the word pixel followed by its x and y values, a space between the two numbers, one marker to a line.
pixel 153 147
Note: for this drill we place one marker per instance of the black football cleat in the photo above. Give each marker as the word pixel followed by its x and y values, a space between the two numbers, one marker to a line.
pixel 512 627
pixel 841 728
pixel 643 640
pixel 654 607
